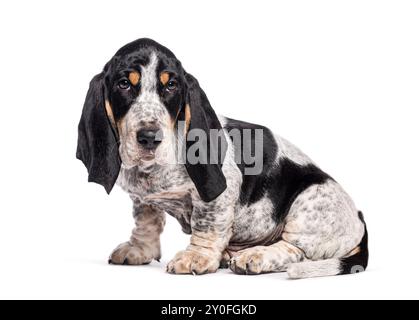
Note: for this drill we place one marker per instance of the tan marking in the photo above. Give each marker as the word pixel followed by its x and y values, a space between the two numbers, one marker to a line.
pixel 193 262
pixel 188 117
pixel 109 112
pixel 202 256
pixel 353 252
pixel 144 245
pixel 174 195
pixel 259 259
pixel 206 240
pixel 120 125
pixel 164 78
pixel 288 247
pixel 250 261
pixel 134 78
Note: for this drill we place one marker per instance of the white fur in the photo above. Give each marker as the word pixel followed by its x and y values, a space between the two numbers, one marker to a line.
pixel 148 76
pixel 254 222
pixel 311 269
pixel 324 222
pixel 287 150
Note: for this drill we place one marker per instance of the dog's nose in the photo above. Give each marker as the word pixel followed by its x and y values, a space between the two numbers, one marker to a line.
pixel 148 139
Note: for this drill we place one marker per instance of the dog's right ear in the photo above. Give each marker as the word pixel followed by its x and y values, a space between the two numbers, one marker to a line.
pixel 97 144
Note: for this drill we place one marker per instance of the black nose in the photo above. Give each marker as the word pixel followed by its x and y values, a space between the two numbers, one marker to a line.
pixel 148 139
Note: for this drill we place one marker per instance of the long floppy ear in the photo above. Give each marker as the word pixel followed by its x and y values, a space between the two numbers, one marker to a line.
pixel 97 145
pixel 208 177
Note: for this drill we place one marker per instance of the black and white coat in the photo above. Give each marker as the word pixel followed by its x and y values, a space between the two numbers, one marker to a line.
pixel 291 217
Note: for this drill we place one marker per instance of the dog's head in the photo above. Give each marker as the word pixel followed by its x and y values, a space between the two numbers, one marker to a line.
pixel 132 113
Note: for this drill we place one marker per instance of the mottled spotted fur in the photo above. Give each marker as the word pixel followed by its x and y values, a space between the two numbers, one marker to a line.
pixel 292 217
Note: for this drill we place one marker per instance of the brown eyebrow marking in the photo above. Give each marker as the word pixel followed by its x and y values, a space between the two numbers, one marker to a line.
pixel 164 78
pixel 134 78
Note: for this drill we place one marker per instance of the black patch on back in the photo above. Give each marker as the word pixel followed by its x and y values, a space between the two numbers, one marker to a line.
pixel 253 188
pixel 282 182
pixel 288 180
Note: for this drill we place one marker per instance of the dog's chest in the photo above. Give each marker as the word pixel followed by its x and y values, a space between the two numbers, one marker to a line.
pixel 140 185
pixel 168 189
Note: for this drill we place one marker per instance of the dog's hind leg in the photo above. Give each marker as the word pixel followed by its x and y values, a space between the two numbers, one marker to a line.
pixel 264 259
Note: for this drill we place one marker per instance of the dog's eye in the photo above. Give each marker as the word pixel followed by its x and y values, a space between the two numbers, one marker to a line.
pixel 124 84
pixel 171 85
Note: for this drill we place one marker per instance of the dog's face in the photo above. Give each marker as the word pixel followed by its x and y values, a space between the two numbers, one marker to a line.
pixel 147 94
pixel 132 113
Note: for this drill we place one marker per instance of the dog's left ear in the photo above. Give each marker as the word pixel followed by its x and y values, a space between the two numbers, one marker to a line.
pixel 208 177
pixel 97 144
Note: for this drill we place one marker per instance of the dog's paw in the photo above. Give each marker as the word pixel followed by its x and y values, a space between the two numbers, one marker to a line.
pixel 127 254
pixel 190 262
pixel 250 261
pixel 225 260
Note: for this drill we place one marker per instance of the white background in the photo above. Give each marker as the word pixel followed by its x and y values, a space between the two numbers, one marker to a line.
pixel 338 78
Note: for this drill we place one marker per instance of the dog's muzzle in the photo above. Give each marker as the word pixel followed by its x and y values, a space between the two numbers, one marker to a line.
pixel 149 139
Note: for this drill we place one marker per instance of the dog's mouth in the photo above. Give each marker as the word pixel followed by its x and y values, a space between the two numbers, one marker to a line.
pixel 147 155
pixel 141 158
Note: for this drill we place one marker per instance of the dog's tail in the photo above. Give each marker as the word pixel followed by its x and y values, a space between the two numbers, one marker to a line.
pixel 355 263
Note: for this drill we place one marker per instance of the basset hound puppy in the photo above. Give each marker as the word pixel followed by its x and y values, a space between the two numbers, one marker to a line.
pixel 250 200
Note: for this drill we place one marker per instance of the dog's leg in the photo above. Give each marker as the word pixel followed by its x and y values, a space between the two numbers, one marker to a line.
pixel 274 258
pixel 144 245
pixel 211 232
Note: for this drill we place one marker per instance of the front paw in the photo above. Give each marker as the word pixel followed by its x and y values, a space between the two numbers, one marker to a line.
pixel 127 254
pixel 250 261
pixel 191 262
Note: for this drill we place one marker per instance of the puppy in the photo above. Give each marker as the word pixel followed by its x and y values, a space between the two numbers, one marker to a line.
pixel 251 200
